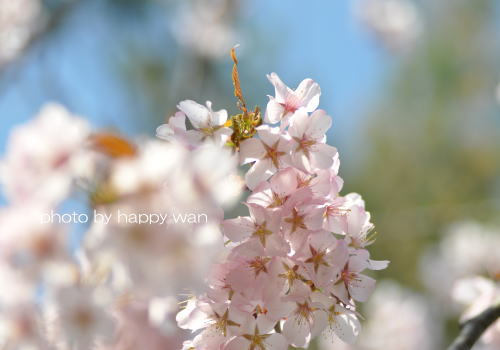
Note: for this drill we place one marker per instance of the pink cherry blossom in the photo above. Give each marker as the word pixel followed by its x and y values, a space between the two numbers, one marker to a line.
pixel 175 129
pixel 269 153
pixel 261 225
pixel 286 101
pixel 294 265
pixel 283 189
pixel 310 152
pixel 206 122
pixel 353 284
pixel 306 320
pixel 322 257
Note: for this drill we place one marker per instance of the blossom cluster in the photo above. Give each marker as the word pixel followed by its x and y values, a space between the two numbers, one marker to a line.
pixel 295 266
pixel 116 288
pixel 291 269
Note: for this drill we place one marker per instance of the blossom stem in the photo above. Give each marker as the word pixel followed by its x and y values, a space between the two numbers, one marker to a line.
pixel 472 329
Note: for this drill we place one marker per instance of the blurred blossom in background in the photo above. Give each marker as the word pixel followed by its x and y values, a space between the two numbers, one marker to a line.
pixel 19 21
pixel 397 318
pixel 396 23
pixel 413 89
pixel 205 27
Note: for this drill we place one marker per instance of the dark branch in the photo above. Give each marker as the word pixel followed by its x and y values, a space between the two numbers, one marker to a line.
pixel 473 329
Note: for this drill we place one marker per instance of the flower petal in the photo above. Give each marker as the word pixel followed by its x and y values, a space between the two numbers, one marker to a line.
pixel 346 326
pixel 268 135
pixel 297 331
pixel 320 122
pixel 274 112
pixel 308 92
pixel 281 91
pixel 237 343
pixel 198 114
pixel 259 172
pixel 361 288
pixel 238 229
pixel 276 342
pixel 251 150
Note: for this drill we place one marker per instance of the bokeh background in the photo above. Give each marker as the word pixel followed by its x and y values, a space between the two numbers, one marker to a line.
pixel 413 89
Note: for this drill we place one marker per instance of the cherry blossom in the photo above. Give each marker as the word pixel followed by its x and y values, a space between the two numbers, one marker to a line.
pixel 42 157
pixel 307 318
pixel 175 129
pixel 308 137
pixel 294 266
pixel 269 153
pixel 260 225
pixel 352 283
pixel 206 122
pixel 287 270
pixel 286 101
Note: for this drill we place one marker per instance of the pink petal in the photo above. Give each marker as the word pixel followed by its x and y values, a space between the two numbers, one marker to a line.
pixel 191 317
pixel 237 343
pixel 300 124
pixel 322 158
pixel 284 183
pixel 300 160
pixel 361 288
pixel 308 92
pixel 270 136
pixel 238 229
pixel 319 123
pixel 281 91
pixel 346 327
pixel 378 264
pixel 251 150
pixel 359 261
pixel 297 332
pixel 320 322
pixel 259 172
pixel 276 342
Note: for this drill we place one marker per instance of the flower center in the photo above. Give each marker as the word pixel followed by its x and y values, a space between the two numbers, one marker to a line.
pixel 256 340
pixel 297 221
pixel 259 265
pixel 261 233
pixel 273 154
